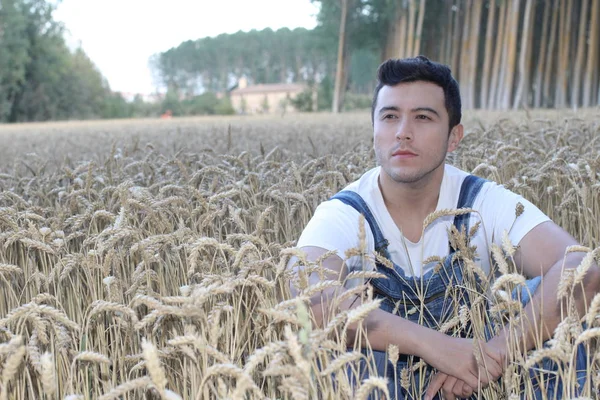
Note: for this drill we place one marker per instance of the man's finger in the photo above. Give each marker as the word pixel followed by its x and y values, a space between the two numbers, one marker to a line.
pixel 435 385
pixel 448 387
pixel 458 390
pixel 473 380
pixel 491 370
pixel 492 360
pixel 461 389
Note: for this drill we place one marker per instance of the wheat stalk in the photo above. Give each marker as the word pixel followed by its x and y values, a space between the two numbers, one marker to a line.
pixel 342 361
pixel 154 367
pixel 126 387
pixel 368 385
pixel 48 374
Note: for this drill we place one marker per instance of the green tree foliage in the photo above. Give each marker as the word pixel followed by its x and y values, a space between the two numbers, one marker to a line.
pixel 40 77
pixel 224 107
pixel 303 101
pixel 14 54
pixel 265 56
pixel 325 94
pixel 115 106
pixel 138 108
pixel 541 54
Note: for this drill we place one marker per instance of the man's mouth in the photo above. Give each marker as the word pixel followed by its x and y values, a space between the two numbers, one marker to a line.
pixel 403 154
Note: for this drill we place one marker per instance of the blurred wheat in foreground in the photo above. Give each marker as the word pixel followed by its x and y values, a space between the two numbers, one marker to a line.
pixel 159 270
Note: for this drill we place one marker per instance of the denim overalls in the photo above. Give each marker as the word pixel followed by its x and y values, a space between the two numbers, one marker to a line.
pixel 402 295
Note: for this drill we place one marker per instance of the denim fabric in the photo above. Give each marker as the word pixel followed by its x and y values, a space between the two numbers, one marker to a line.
pixel 402 294
pixel 543 376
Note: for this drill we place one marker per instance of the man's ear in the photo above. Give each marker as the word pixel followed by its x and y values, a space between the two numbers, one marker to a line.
pixel 456 135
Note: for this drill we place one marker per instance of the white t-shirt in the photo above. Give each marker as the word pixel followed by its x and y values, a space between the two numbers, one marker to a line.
pixel 334 225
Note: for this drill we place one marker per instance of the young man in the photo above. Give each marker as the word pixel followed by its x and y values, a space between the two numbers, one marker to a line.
pixel 416 117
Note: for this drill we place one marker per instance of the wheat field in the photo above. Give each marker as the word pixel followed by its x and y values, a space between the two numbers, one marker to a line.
pixel 149 259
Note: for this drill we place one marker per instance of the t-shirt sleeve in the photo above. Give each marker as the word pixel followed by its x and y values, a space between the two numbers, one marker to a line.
pixel 334 226
pixel 500 206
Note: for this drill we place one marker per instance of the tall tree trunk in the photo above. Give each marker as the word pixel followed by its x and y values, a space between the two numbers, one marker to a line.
pixel 456 38
pixel 392 42
pixel 447 43
pixel 464 73
pixel 474 50
pixel 511 54
pixel 524 54
pixel 341 60
pixel 591 67
pixel 560 94
pixel 558 103
pixel 345 80
pixel 578 68
pixel 412 12
pixel 529 59
pixel 541 60
pixel 498 56
pixel 489 41
pixel 417 47
pixel 402 32
pixel 570 52
pixel 552 58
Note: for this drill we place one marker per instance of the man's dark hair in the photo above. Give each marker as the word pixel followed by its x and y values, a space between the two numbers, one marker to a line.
pixel 420 68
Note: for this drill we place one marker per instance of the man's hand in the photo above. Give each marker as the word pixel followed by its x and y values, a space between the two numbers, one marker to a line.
pixel 453 383
pixel 459 370
pixel 450 386
pixel 496 348
pixel 455 357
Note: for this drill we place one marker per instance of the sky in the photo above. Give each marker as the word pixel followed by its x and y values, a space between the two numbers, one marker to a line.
pixel 121 35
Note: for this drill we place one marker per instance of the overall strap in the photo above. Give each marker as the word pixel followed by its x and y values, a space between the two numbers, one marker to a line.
pixel 355 201
pixel 469 190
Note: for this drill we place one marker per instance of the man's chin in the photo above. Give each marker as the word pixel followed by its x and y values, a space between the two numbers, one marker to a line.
pixel 406 176
pixel 406 179
pixel 409 177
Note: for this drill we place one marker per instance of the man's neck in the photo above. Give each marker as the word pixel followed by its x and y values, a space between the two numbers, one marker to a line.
pixel 415 200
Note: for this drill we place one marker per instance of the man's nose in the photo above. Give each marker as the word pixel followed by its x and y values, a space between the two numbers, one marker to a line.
pixel 404 131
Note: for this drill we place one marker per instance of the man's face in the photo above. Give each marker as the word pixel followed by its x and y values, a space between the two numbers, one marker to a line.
pixel 410 130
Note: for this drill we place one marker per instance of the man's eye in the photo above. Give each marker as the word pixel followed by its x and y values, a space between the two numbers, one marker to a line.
pixel 422 116
pixel 389 116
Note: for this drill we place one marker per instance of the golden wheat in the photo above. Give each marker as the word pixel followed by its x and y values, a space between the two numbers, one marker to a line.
pixel 172 232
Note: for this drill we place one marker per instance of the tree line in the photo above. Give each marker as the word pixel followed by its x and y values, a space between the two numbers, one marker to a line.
pixel 504 53
pixel 215 64
pixel 267 56
pixel 40 77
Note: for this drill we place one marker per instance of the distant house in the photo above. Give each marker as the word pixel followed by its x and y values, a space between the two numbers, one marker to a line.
pixel 264 98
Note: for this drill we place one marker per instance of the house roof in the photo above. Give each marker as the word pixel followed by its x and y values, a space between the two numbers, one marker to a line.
pixel 270 88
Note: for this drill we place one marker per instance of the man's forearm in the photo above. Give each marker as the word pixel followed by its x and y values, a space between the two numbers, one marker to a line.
pixel 381 328
pixel 545 311
pixel 447 354
pixel 539 317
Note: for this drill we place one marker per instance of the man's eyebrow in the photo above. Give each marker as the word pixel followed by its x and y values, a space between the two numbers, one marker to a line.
pixel 394 108
pixel 387 108
pixel 428 109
